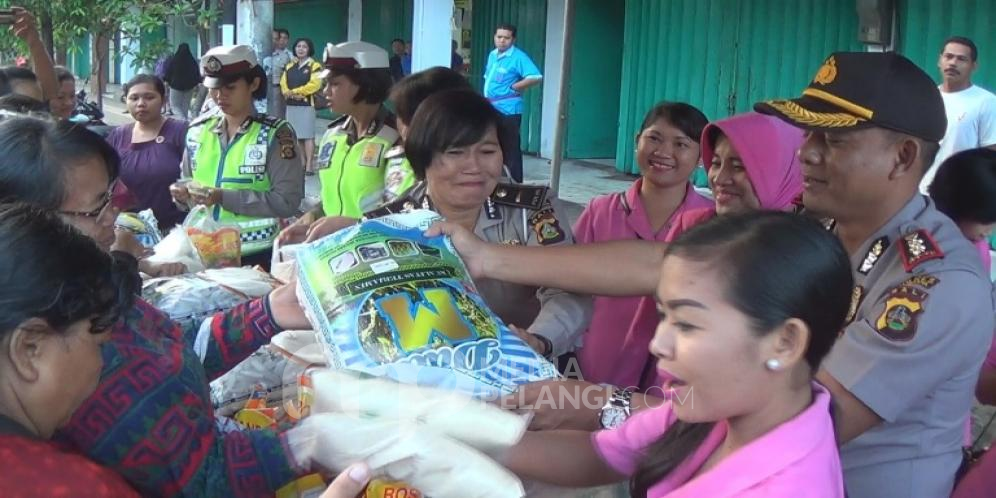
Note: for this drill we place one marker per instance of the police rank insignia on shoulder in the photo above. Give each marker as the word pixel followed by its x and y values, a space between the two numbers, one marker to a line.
pixel 874 253
pixel 523 196
pixel 547 227
pixel 903 306
pixel 918 247
pixel 285 139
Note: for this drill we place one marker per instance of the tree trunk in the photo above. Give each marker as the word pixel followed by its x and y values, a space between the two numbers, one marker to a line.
pixel 98 81
pixel 48 37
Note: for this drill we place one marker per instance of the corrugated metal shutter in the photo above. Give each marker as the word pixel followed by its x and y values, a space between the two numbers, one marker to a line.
pixel 322 21
pixel 385 20
pixel 529 18
pixel 924 25
pixel 723 55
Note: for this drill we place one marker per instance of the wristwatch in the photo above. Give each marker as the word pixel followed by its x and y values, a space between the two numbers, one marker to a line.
pixel 616 409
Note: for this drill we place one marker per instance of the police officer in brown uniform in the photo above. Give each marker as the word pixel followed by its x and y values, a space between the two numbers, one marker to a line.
pixel 453 148
pixel 902 373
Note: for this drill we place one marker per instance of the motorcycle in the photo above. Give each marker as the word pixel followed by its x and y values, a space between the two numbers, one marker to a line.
pixel 88 113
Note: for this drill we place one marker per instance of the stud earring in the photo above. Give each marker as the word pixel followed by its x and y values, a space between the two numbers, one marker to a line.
pixel 773 364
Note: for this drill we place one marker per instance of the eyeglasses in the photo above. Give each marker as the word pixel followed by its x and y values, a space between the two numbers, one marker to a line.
pixel 118 198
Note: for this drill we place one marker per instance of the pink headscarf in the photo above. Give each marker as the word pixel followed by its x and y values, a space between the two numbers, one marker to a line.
pixel 768 147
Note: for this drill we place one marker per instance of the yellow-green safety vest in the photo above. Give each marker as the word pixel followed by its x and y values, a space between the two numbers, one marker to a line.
pixel 242 166
pixel 353 176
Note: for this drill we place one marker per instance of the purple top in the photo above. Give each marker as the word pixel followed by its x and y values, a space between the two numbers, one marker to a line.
pixel 149 168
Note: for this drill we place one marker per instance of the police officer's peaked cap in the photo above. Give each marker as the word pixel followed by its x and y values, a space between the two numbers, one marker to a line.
pixel 355 55
pixel 223 64
pixel 854 90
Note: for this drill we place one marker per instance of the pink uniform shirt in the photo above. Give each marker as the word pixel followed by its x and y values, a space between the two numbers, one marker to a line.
pixel 610 354
pixel 797 459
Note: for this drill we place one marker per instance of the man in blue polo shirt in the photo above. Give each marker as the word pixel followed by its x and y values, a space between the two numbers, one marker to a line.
pixel 508 73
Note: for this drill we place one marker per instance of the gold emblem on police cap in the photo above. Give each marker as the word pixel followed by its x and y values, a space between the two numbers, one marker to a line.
pixel 827 72
pixel 212 64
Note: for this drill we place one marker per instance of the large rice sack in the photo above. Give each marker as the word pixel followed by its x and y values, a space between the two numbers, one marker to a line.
pixel 387 301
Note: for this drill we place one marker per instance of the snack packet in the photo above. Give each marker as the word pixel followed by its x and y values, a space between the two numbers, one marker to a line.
pixel 387 301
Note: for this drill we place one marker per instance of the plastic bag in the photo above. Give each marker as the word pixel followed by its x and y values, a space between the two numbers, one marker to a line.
pixel 387 301
pixel 143 225
pixel 176 247
pixel 189 299
pixel 217 244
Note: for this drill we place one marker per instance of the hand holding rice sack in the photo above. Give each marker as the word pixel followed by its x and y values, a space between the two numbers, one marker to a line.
pixel 387 301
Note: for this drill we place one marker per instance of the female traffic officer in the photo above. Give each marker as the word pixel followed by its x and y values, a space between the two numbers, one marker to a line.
pixel 243 165
pixel 355 154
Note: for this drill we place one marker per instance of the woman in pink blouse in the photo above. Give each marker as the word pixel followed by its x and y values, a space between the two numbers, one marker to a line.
pixel 740 335
pixel 667 150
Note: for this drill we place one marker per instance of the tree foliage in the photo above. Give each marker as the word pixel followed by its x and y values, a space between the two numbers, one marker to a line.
pixel 73 20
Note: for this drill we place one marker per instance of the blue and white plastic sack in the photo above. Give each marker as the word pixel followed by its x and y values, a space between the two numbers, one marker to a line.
pixel 387 301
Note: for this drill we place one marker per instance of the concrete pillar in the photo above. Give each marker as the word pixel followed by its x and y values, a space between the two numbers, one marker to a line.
pixel 552 74
pixel 254 24
pixel 354 26
pixel 432 31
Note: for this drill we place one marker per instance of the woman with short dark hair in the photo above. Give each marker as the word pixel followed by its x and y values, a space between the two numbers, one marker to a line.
pixel 301 81
pixel 59 296
pixel 406 95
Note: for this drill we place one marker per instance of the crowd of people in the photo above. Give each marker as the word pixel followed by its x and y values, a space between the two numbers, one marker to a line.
pixel 809 325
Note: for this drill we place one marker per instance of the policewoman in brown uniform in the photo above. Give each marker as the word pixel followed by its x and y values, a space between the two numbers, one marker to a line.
pixel 452 144
pixel 902 374
pixel 246 164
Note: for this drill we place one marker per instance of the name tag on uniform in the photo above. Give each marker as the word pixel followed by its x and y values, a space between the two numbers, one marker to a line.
pixel 370 157
pixel 325 154
pixel 255 155
pixel 252 169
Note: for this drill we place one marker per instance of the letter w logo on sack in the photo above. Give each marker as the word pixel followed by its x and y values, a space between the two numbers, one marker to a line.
pixel 434 317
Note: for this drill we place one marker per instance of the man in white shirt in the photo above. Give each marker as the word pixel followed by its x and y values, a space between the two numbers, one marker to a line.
pixel 971 110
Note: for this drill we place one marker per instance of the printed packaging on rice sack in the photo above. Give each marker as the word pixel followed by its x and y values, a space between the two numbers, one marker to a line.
pixel 189 299
pixel 387 301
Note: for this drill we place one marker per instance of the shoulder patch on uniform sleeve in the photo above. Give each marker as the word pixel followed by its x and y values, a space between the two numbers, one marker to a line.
pixel 917 247
pixel 522 196
pixel 285 139
pixel 903 307
pixel 398 151
pixel 547 227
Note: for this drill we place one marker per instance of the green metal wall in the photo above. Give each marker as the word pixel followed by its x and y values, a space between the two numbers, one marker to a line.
pixel 723 55
pixel 321 20
pixel 593 93
pixel 79 53
pixel 924 25
pixel 385 20
pixel 529 18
